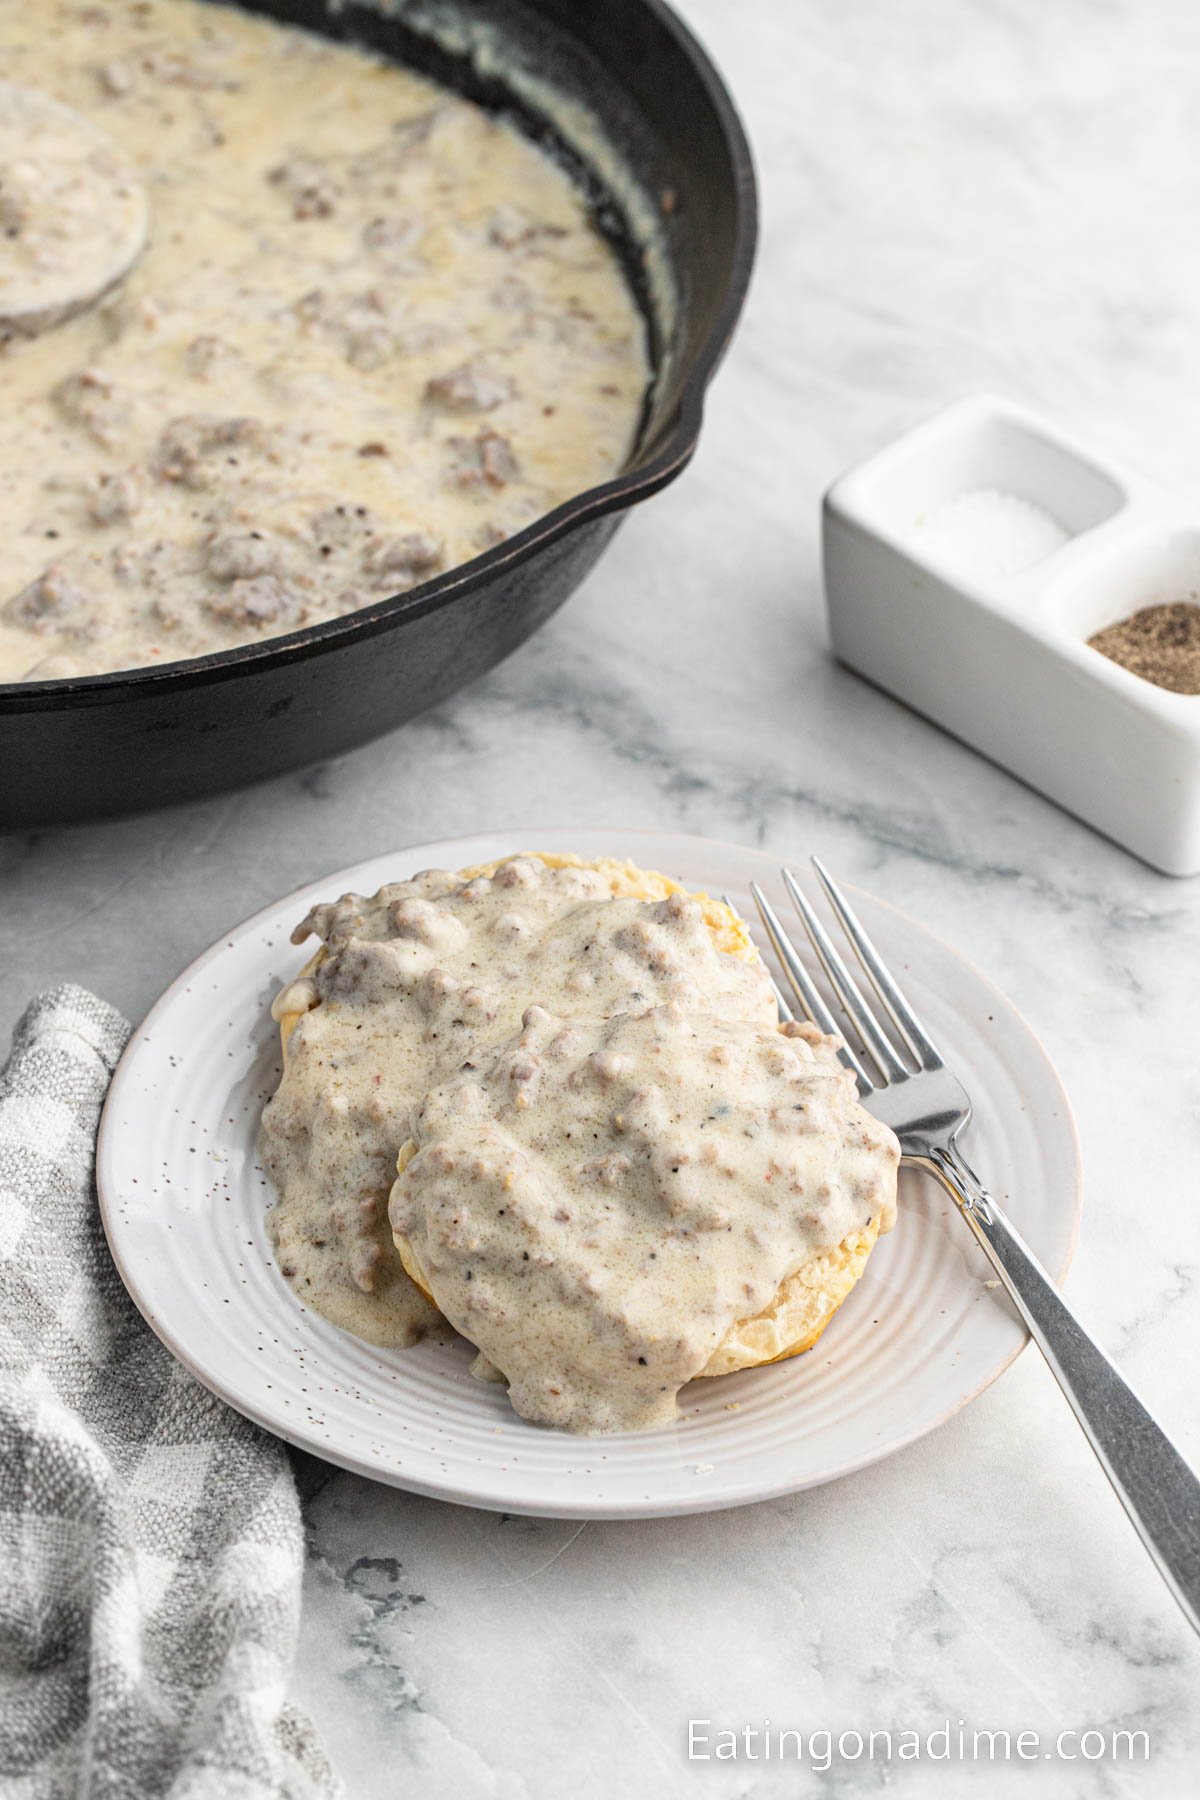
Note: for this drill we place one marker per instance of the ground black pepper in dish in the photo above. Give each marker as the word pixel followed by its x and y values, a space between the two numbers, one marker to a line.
pixel 1159 643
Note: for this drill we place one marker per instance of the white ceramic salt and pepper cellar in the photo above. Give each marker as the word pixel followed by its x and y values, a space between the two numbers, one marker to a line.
pixel 993 645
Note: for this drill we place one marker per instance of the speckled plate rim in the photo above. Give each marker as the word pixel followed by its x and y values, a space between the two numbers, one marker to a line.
pixel 672 852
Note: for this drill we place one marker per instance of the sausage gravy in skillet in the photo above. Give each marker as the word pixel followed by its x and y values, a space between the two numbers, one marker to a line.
pixel 373 331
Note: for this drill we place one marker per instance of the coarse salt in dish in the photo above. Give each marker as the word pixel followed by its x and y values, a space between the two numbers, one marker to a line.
pixel 987 531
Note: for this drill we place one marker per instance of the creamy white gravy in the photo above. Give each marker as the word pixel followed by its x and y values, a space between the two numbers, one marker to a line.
pixel 419 982
pixel 602 1200
pixel 373 332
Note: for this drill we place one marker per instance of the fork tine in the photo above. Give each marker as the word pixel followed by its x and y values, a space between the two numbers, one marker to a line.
pixel 801 981
pixel 786 1015
pixel 845 987
pixel 804 987
pixel 882 980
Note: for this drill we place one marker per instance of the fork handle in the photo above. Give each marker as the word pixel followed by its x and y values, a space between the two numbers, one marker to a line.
pixel 1158 1490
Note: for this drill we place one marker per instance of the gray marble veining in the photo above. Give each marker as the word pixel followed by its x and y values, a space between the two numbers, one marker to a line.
pixel 955 197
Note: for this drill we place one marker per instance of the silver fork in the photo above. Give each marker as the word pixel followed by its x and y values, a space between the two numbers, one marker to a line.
pixel 927 1107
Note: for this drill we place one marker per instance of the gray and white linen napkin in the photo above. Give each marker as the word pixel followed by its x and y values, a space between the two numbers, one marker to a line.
pixel 150 1539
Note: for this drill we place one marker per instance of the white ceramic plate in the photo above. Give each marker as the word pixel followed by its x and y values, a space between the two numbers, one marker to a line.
pixel 184 1202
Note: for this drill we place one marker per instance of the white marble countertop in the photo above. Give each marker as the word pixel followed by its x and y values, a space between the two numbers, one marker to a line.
pixel 991 196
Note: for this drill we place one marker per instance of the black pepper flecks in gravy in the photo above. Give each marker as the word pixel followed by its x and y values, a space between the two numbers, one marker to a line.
pixel 603 1200
pixel 422 978
pixel 373 331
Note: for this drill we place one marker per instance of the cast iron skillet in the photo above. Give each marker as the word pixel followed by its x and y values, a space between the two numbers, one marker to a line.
pixel 114 743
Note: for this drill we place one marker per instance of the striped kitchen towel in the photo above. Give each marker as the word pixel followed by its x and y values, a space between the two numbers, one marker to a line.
pixel 150 1541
